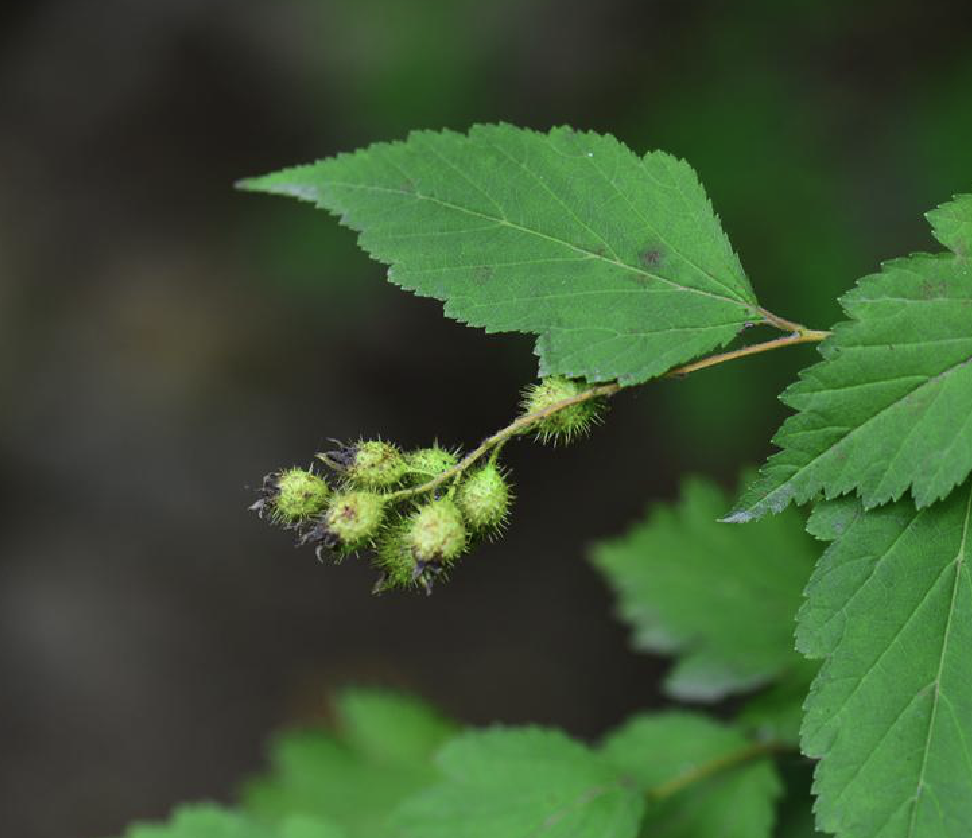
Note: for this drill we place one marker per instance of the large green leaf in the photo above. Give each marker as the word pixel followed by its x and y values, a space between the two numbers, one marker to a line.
pixel 521 783
pixel 888 408
pixel 890 714
pixel 616 261
pixel 724 598
pixel 353 777
pixel 702 778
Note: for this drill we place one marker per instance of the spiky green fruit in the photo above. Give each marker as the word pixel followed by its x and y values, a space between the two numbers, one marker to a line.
pixel 435 532
pixel 567 423
pixel 400 567
pixel 484 498
pixel 353 519
pixel 428 463
pixel 395 560
pixel 291 496
pixel 376 464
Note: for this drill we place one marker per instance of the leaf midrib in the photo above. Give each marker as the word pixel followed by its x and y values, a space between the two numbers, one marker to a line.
pixel 577 803
pixel 959 563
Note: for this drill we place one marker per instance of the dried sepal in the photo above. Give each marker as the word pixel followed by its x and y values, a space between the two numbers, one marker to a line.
pixel 290 497
pixel 368 464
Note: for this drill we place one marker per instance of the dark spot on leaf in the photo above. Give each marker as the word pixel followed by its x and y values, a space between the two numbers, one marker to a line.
pixel 651 257
pixel 600 251
pixel 483 273
pixel 931 289
pixel 407 186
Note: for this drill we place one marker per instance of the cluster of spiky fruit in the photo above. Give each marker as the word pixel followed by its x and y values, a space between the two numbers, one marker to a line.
pixel 416 512
pixel 365 504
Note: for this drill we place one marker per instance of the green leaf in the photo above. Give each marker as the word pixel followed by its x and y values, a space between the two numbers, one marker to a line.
pixel 887 409
pixel 952 223
pixel 617 262
pixel 890 609
pixel 205 820
pixel 380 754
pixel 723 598
pixel 520 782
pixel 389 728
pixel 702 778
pixel 304 826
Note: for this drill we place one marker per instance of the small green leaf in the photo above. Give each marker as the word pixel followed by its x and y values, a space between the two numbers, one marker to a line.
pixel 390 728
pixel 723 598
pixel 890 714
pixel 521 783
pixel 617 262
pixel 887 409
pixel 952 223
pixel 205 820
pixel 201 820
pixel 701 778
pixel 381 753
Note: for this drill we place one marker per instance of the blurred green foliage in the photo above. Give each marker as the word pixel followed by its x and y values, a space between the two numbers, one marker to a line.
pixel 352 778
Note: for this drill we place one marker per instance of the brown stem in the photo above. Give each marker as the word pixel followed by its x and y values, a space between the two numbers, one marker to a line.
pixel 780 323
pixel 798 334
pixel 519 424
pixel 804 336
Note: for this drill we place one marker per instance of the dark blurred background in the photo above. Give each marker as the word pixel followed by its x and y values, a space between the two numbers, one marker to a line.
pixel 166 340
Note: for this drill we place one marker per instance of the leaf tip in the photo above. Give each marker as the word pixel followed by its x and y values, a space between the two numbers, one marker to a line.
pixel 248 184
pixel 279 184
pixel 738 516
